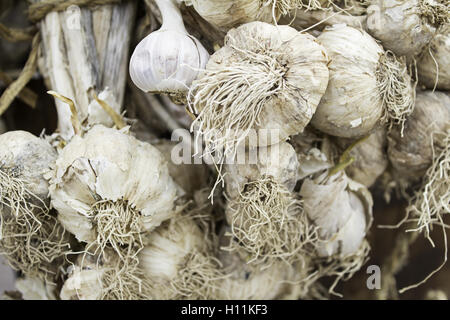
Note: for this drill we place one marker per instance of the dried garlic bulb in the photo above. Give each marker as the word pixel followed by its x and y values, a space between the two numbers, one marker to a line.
pixel 176 257
pixel 109 187
pixel 434 65
pixel 30 236
pixel 169 59
pixel 412 154
pixel 245 281
pixel 370 157
pixel 266 219
pixel 367 85
pixel 265 77
pixel 107 276
pixel 341 209
pixel 407 26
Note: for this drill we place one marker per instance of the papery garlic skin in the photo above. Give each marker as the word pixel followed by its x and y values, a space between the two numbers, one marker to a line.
pixel 341 209
pixel 248 282
pixel 351 105
pixel 35 289
pixel 168 246
pixel 83 284
pixel 226 14
pixel 97 115
pixel 169 59
pixel 437 53
pixel 278 161
pixel 401 26
pixel 29 158
pixel 412 154
pixel 112 166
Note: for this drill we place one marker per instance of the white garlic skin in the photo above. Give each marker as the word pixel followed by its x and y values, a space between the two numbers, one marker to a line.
pixel 352 104
pixel 167 61
pixel 83 284
pixel 167 247
pixel 279 161
pixel 29 158
pixel 226 14
pixel 440 51
pixel 399 25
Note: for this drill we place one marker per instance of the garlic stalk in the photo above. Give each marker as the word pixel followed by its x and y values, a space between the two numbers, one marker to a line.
pixel 169 59
pixel 368 86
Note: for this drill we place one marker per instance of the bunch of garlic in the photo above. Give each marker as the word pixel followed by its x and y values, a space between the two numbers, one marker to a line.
pixel 367 86
pixel 178 261
pixel 109 188
pixel 30 237
pixel 169 59
pixel 265 82
pixel 407 26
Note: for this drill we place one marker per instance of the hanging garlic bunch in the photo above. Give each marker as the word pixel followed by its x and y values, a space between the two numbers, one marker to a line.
pixel 31 239
pixel 341 209
pixel 245 281
pixel 369 154
pixel 267 79
pixel 367 85
pixel 177 259
pixel 266 219
pixel 109 188
pixel 407 26
pixel 434 65
pixel 107 276
pixel 169 59
pixel 412 154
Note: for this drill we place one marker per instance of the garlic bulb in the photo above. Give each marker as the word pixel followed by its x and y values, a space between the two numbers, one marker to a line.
pixel 370 157
pixel 366 87
pixel 226 14
pixel 246 281
pixel 342 210
pixel 266 219
pixel 406 26
pixel 434 65
pixel 110 187
pixel 107 276
pixel 176 258
pixel 30 237
pixel 412 154
pixel 169 59
pixel 266 80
